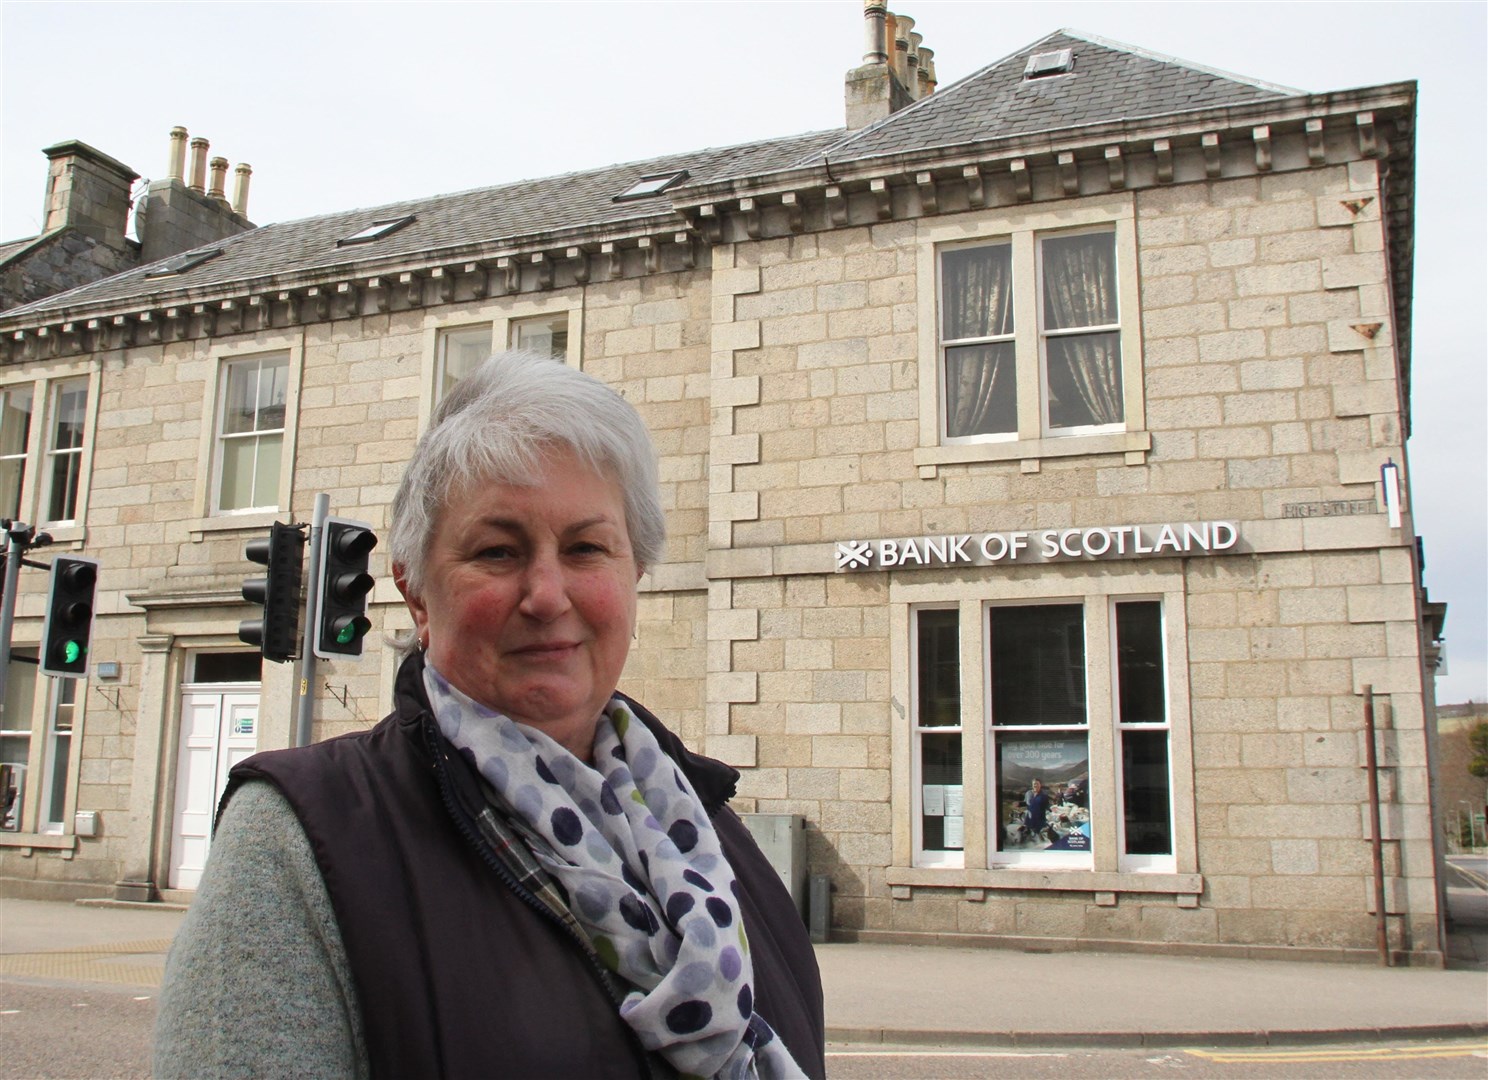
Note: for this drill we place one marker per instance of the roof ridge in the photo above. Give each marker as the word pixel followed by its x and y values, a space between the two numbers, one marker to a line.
pixel 1178 61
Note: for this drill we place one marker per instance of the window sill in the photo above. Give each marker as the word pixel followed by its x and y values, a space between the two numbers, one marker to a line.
pixel 68 535
pixel 252 521
pixel 1134 444
pixel 44 841
pixel 1045 880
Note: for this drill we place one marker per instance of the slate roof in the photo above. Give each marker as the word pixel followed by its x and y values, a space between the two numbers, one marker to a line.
pixel 1110 81
pixel 465 220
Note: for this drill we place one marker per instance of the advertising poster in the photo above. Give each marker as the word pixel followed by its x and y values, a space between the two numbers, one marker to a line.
pixel 1043 793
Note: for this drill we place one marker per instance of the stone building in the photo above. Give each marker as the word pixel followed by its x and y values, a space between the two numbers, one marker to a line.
pixel 1046 427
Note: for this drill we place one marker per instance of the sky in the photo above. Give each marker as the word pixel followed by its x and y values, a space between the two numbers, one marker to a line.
pixel 345 105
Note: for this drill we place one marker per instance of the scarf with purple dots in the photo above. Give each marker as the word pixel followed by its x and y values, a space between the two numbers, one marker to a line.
pixel 631 848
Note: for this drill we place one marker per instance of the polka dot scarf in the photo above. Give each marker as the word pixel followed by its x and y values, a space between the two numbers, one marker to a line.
pixel 632 849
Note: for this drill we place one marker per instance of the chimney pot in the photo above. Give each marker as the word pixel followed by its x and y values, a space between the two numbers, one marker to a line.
pixel 875 23
pixel 219 179
pixel 177 169
pixel 199 164
pixel 240 189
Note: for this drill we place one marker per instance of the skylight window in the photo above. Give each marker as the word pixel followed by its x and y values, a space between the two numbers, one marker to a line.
pixel 179 264
pixel 652 185
pixel 1042 65
pixel 375 231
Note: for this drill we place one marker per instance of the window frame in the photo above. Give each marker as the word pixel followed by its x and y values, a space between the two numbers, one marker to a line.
pixel 500 316
pixel 51 452
pixel 1024 228
pixel 210 519
pixel 946 857
pixel 33 825
pixel 1098 589
pixel 34 496
pixel 220 437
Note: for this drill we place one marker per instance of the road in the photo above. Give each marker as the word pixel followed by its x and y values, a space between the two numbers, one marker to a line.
pixel 1424 1060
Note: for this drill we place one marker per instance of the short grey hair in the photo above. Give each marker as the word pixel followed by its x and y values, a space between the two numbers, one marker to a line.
pixel 498 424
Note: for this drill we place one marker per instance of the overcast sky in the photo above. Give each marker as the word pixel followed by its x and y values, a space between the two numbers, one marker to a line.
pixel 340 105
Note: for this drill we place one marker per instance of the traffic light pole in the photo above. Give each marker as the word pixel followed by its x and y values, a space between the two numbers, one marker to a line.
pixel 15 537
pixel 305 713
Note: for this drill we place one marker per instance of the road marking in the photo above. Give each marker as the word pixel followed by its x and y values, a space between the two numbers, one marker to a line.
pixel 1477 879
pixel 1383 1053
pixel 126 963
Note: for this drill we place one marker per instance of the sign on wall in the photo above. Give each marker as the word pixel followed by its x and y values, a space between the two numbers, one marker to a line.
pixel 1025 546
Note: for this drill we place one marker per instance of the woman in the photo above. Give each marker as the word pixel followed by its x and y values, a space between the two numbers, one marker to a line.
pixel 519 872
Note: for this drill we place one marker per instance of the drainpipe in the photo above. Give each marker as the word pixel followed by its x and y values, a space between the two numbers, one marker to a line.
pixel 1371 764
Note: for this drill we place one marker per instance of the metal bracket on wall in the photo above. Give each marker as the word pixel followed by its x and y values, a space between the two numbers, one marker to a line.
pixel 343 696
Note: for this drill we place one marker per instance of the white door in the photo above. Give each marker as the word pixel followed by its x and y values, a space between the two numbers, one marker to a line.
pixel 219 728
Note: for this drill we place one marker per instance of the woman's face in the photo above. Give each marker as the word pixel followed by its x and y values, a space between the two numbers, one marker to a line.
pixel 529 597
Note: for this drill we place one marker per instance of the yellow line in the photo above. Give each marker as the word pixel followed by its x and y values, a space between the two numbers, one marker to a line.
pixel 1383 1053
pixel 1471 875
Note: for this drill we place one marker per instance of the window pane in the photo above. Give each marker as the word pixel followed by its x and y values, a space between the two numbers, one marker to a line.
pixel 460 353
pixel 976 292
pixel 941 804
pixel 63 503
pixel 67 427
pixel 61 751
pixel 1038 665
pixel 266 470
pixel 1043 792
pixel 939 669
pixel 12 473
pixel 237 474
pixel 241 400
pixel 1079 280
pixel 981 390
pixel 228 667
pixel 273 392
pixel 1084 373
pixel 546 335
pixel 12 781
pixel 1144 776
pixel 15 421
pixel 1139 663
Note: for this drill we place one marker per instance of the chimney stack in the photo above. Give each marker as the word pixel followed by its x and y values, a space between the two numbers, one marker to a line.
pixel 895 71
pixel 177 214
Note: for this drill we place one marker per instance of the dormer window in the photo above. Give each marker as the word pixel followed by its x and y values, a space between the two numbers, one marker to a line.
pixel 375 231
pixel 652 185
pixel 179 264
pixel 1042 65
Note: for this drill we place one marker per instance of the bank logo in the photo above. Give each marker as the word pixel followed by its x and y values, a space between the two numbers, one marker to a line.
pixel 854 554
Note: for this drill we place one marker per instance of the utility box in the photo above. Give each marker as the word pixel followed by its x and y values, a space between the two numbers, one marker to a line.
pixel 782 838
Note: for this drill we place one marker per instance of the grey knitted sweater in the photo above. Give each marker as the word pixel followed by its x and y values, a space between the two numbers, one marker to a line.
pixel 257 982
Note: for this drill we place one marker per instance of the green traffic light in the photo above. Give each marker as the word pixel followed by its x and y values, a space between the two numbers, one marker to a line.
pixel 347 634
pixel 71 652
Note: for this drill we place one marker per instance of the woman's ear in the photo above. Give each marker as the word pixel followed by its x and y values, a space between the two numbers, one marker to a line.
pixel 414 601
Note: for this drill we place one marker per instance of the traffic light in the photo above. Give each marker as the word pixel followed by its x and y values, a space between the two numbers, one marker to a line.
pixel 69 618
pixel 277 632
pixel 343 587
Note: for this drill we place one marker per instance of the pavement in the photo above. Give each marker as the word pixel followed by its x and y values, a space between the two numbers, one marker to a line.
pixel 938 995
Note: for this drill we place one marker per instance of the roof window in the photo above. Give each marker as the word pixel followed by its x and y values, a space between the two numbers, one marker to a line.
pixel 1042 65
pixel 179 264
pixel 375 231
pixel 652 185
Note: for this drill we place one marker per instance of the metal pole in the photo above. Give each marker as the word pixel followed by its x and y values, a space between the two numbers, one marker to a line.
pixel 15 535
pixel 1371 763
pixel 306 713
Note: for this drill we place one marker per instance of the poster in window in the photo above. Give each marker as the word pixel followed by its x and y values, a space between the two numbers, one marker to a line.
pixel 1043 793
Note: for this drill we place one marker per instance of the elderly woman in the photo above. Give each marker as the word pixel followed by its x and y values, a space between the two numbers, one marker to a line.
pixel 519 872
